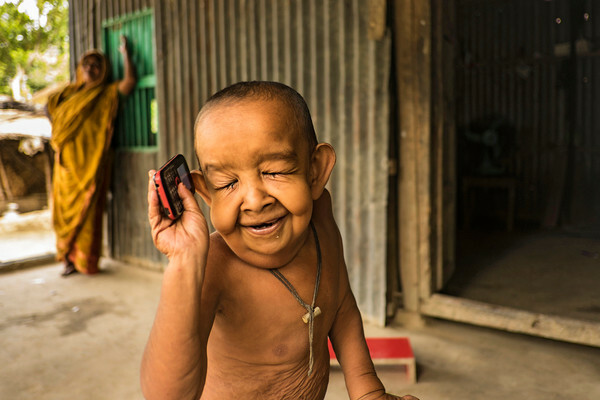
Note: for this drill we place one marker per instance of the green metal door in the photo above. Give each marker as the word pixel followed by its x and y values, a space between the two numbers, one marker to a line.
pixel 137 122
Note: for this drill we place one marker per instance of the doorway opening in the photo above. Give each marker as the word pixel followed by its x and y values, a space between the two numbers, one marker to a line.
pixel 527 157
pixel 26 233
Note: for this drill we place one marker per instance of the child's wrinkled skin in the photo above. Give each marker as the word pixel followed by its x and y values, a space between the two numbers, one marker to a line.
pixel 264 184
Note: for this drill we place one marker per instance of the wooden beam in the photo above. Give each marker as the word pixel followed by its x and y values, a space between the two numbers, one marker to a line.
pixel 412 41
pixel 442 142
pixel 512 320
pixel 5 183
pixel 47 154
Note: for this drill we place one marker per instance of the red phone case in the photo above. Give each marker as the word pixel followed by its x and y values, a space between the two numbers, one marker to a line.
pixel 166 180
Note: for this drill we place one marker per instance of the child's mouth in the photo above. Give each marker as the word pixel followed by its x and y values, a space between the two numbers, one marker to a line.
pixel 265 227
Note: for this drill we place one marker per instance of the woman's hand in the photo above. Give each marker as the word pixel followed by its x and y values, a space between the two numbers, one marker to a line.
pixel 123 47
pixel 188 234
pixel 127 84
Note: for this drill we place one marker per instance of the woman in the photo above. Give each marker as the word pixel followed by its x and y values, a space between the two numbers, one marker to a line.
pixel 82 116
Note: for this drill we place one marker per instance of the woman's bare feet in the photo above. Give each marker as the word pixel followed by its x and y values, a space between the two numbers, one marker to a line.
pixel 69 269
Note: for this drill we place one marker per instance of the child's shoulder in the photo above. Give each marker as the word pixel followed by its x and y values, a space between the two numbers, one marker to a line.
pixel 219 251
pixel 217 242
pixel 325 222
pixel 221 256
pixel 323 212
pixel 323 208
pixel 220 263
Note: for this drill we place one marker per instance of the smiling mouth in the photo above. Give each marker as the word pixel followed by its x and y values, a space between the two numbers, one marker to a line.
pixel 265 227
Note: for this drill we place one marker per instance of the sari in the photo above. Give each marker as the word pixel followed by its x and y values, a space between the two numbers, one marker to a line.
pixel 82 127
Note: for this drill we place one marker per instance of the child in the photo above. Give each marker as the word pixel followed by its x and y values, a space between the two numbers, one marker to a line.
pixel 246 312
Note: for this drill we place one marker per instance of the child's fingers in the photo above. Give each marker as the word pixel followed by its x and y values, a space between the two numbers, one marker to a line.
pixel 188 199
pixel 153 206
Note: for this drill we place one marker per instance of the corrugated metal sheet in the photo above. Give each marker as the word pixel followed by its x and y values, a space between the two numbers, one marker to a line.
pixel 515 63
pixel 322 49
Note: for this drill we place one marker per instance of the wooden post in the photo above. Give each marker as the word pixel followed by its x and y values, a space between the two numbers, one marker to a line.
pixel 443 141
pixel 4 182
pixel 47 154
pixel 412 34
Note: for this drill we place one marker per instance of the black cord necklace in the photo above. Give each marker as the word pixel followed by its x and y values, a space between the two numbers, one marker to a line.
pixel 312 311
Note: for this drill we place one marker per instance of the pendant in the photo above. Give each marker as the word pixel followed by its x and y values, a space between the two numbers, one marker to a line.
pixel 316 312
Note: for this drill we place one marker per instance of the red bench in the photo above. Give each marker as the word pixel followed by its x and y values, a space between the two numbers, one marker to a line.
pixel 389 351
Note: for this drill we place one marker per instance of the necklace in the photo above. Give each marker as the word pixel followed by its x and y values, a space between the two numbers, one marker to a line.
pixel 312 311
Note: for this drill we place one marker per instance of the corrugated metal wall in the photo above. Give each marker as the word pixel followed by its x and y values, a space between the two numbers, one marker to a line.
pixel 128 233
pixel 321 48
pixel 515 64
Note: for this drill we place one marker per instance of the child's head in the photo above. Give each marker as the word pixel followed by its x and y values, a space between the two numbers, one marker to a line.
pixel 266 91
pixel 260 169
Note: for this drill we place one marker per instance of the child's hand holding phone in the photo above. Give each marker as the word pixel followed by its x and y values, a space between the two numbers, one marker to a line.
pixel 178 225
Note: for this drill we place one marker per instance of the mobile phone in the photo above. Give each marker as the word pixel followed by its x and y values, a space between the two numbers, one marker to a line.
pixel 166 180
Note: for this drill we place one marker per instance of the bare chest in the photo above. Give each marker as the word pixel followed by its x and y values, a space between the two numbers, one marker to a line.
pixel 259 346
pixel 266 323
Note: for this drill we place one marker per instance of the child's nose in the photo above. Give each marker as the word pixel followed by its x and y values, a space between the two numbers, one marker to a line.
pixel 256 198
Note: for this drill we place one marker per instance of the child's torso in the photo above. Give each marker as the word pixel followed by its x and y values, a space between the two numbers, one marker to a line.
pixel 259 344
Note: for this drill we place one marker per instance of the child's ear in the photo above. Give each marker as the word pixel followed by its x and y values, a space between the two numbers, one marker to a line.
pixel 200 186
pixel 321 165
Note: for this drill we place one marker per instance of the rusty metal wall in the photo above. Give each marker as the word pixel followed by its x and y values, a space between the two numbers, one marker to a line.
pixel 515 63
pixel 322 49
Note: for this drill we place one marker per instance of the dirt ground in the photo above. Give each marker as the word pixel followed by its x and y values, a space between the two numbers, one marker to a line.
pixel 82 338
pixel 26 235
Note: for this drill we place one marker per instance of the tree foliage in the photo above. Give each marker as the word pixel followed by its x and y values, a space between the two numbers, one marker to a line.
pixel 39 47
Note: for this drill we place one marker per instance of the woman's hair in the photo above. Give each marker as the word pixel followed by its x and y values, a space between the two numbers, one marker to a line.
pixel 266 90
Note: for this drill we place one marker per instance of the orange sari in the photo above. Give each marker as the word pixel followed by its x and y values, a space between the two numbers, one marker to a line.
pixel 82 127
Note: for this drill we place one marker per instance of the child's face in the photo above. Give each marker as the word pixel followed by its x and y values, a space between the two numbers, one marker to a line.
pixel 257 170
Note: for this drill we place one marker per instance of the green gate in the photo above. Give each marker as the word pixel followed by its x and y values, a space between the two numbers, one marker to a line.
pixel 137 122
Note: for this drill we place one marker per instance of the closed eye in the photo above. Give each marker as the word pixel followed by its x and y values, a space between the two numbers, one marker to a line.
pixel 272 174
pixel 228 186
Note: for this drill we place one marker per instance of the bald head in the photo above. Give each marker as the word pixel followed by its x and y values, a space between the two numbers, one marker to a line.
pixel 263 91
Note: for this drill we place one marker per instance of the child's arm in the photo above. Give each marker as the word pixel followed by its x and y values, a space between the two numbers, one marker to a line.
pixel 347 334
pixel 348 340
pixel 174 361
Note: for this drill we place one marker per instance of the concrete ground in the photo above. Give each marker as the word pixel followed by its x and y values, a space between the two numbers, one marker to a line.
pixel 554 272
pixel 82 338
